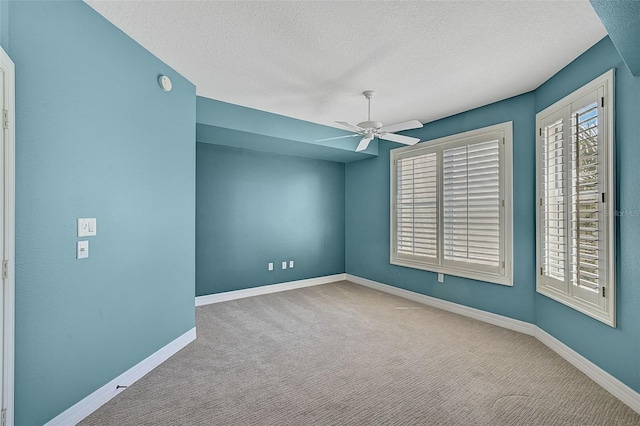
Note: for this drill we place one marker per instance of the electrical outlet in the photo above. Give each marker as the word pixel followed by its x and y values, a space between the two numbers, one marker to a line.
pixel 290 264
pixel 86 227
pixel 284 265
pixel 440 278
pixel 270 266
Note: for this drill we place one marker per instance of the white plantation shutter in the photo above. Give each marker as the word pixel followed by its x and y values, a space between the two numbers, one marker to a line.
pixel 471 181
pixel 586 252
pixel 575 190
pixel 553 203
pixel 416 201
pixel 449 205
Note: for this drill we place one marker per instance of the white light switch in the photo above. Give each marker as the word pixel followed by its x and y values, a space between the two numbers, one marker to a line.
pixel 284 265
pixel 270 266
pixel 82 249
pixel 290 264
pixel 87 227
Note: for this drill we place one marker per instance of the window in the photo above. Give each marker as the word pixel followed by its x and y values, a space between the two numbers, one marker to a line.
pixel 451 205
pixel 575 189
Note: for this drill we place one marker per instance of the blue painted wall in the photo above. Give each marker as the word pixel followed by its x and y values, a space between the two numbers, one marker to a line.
pixel 222 123
pixel 621 18
pixel 615 350
pixel 367 220
pixel 96 137
pixel 368 216
pixel 254 208
pixel 4 24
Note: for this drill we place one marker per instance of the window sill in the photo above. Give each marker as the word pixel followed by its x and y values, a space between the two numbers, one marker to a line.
pixel 592 311
pixel 479 276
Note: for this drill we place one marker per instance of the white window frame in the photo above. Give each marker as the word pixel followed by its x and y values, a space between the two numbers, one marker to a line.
pixel 560 291
pixel 503 132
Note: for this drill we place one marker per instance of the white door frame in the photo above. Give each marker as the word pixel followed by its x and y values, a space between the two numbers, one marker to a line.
pixel 8 179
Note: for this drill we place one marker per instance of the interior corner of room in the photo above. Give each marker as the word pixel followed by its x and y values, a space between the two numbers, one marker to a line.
pixel 190 197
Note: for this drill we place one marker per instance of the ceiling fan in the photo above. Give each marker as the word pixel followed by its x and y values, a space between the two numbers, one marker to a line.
pixel 374 129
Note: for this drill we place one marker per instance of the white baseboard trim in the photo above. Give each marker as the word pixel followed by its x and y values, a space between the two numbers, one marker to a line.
pixel 97 399
pixel 266 289
pixel 495 319
pixel 614 386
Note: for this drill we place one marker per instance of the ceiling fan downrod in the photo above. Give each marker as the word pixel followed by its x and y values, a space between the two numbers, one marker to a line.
pixel 373 125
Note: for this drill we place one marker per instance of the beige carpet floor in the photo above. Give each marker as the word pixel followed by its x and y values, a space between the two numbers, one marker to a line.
pixel 342 354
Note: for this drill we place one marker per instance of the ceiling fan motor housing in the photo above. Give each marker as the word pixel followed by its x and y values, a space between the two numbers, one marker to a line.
pixel 370 124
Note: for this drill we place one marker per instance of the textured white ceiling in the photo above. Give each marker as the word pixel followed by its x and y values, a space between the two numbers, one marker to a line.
pixel 312 59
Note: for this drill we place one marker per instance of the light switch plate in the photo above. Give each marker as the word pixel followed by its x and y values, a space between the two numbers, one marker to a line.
pixel 440 278
pixel 270 266
pixel 290 264
pixel 82 249
pixel 87 227
pixel 284 265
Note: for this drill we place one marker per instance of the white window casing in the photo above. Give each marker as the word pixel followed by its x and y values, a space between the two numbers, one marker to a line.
pixel 451 208
pixel 575 189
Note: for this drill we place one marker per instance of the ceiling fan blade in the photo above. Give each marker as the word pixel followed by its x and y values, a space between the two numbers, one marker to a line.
pixel 337 137
pixel 364 143
pixel 398 127
pixel 407 140
pixel 350 126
